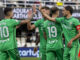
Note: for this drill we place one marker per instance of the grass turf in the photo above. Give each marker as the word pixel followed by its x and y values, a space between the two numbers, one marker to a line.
pixel 34 58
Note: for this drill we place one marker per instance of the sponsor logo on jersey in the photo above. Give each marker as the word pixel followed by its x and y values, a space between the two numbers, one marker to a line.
pixel 51 23
pixel 52 41
pixel 2 41
pixel 67 27
pixel 42 26
pixel 17 21
pixel 67 24
pixel 70 23
pixel 3 23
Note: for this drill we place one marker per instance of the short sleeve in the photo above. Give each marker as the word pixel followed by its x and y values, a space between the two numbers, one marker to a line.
pixel 59 19
pixel 15 22
pixel 76 22
pixel 37 23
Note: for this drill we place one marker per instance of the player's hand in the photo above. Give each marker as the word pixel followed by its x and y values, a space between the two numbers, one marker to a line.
pixel 34 9
pixel 28 21
pixel 30 14
pixel 35 49
pixel 70 43
pixel 40 6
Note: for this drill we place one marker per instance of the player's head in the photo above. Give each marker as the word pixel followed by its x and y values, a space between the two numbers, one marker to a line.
pixel 67 10
pixel 46 9
pixel 8 12
pixel 54 11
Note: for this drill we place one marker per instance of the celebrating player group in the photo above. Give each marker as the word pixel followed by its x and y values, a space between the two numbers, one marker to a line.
pixel 51 27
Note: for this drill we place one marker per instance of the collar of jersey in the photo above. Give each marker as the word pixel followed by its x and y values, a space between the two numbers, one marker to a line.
pixel 69 18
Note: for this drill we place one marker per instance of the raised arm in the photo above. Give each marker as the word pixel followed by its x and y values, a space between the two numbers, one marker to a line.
pixel 45 15
pixel 48 17
pixel 30 27
pixel 33 26
pixel 30 15
pixel 22 22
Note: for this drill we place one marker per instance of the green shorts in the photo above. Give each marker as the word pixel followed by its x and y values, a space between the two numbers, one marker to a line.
pixel 13 54
pixel 71 53
pixel 55 55
pixel 42 55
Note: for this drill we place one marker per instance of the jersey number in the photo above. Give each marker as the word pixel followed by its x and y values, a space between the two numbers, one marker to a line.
pixel 4 32
pixel 52 31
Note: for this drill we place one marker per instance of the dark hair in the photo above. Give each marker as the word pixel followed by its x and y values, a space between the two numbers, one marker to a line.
pixel 54 10
pixel 7 9
pixel 69 8
pixel 45 7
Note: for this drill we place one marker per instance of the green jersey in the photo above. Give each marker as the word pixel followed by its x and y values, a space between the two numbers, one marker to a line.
pixel 53 32
pixel 8 34
pixel 39 24
pixel 69 29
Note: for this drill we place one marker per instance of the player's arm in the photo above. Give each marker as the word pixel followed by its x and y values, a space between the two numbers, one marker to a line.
pixel 30 27
pixel 51 18
pixel 17 27
pixel 33 26
pixel 48 17
pixel 22 22
pixel 37 42
pixel 30 15
pixel 77 36
pixel 45 15
pixel 73 39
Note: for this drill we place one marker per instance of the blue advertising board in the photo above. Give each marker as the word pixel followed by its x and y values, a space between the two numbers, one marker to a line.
pixel 28 52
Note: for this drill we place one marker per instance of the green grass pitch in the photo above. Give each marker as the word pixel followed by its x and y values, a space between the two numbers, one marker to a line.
pixel 34 59
pixel 29 58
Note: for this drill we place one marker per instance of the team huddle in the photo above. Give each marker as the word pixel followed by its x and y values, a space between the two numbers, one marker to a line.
pixel 51 27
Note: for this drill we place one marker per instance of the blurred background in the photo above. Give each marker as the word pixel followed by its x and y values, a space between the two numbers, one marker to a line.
pixel 26 39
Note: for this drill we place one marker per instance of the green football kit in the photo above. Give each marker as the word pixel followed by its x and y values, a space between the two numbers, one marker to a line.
pixel 54 46
pixel 42 53
pixel 70 31
pixel 8 42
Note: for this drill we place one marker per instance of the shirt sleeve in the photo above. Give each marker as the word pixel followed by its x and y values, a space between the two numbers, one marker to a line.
pixel 76 22
pixel 59 19
pixel 15 22
pixel 37 23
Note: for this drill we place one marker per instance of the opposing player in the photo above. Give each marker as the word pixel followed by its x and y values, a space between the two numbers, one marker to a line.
pixel 8 43
pixel 39 24
pixel 71 30
pixel 53 32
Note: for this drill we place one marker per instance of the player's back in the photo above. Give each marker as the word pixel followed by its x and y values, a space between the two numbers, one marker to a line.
pixel 54 35
pixel 7 34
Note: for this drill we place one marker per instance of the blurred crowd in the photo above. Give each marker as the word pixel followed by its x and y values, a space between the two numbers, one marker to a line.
pixel 24 3
pixel 27 38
